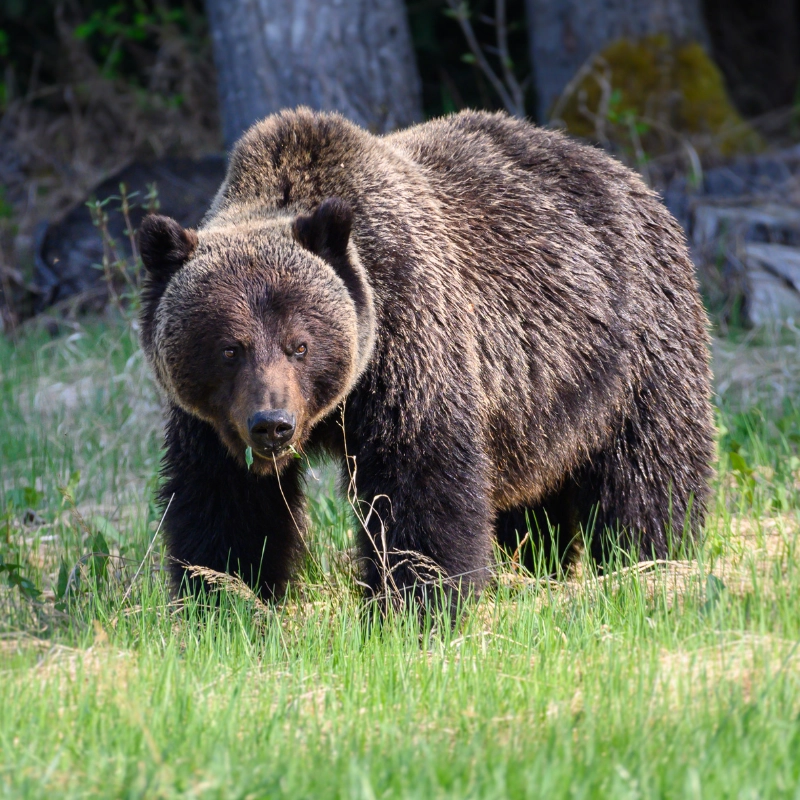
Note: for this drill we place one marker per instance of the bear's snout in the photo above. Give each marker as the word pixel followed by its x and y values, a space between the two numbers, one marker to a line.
pixel 271 430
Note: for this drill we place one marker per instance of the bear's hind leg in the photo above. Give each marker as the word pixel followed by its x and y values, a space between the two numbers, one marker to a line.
pixel 645 493
pixel 546 537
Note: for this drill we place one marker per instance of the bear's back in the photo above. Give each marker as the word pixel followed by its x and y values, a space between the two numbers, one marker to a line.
pixel 533 213
pixel 534 217
pixel 480 156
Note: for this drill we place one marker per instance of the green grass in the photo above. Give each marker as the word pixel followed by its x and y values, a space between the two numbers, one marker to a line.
pixel 676 680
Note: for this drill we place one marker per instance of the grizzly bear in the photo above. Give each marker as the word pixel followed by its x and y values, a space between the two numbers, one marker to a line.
pixel 490 324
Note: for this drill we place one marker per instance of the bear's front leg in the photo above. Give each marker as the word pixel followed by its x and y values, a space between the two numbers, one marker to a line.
pixel 426 526
pixel 222 516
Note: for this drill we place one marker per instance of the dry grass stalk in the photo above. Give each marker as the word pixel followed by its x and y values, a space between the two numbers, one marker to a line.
pixel 234 586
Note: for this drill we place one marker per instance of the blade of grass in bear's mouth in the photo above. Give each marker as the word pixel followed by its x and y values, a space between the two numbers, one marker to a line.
pixel 270 454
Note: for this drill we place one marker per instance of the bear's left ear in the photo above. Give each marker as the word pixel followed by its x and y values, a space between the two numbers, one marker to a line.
pixel 164 245
pixel 326 231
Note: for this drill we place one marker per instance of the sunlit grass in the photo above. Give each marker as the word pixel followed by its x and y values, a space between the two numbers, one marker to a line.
pixel 677 679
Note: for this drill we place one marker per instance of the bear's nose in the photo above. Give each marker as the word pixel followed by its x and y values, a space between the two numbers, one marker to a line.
pixel 271 429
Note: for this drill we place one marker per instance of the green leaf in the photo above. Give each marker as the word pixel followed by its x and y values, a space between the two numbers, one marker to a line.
pixel 63 581
pixel 25 585
pixel 739 464
pixel 248 457
pixel 98 561
pixel 714 589
pixel 32 496
pixel 84 30
pixel 468 58
pixel 24 497
pixel 105 530
pixel 98 544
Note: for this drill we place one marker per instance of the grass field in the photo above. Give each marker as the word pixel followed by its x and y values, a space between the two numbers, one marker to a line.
pixel 679 679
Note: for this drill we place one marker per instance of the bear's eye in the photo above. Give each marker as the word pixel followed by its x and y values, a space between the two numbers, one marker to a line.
pixel 301 350
pixel 229 353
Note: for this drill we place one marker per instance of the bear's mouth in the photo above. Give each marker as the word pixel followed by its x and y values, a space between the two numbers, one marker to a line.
pixel 266 458
pixel 274 453
pixel 259 458
pixel 266 461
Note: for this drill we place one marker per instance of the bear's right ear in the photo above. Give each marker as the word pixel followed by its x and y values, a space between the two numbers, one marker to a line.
pixel 164 245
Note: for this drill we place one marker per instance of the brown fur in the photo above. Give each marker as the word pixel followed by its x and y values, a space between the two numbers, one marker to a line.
pixel 510 318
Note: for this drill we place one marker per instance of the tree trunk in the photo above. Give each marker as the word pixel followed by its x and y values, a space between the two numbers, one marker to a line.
pixel 564 34
pixel 759 53
pixel 351 56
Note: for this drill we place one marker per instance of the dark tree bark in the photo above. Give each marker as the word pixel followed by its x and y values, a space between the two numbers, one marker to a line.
pixel 565 33
pixel 351 56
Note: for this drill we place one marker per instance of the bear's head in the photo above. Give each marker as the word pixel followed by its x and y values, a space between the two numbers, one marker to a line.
pixel 258 326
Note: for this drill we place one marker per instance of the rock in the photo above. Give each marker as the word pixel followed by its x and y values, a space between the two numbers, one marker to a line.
pixel 754 251
pixel 713 224
pixel 69 251
pixel 728 181
pixel 735 209
pixel 773 283
pixel 752 175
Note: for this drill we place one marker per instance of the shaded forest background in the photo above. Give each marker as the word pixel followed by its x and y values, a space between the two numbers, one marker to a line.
pixel 89 86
